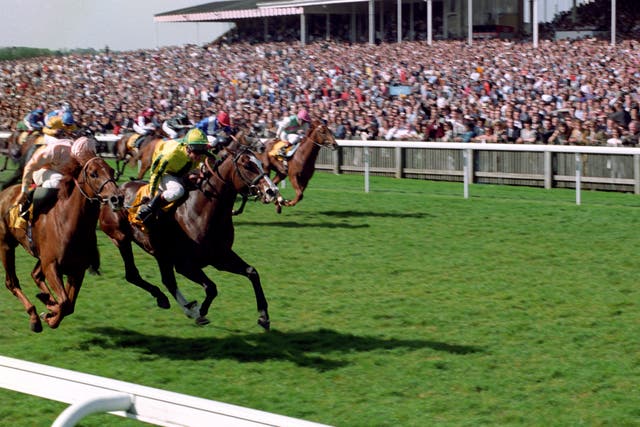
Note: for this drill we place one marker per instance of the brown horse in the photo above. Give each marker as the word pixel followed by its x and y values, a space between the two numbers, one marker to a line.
pixel 141 156
pixel 63 239
pixel 301 165
pixel 20 151
pixel 198 233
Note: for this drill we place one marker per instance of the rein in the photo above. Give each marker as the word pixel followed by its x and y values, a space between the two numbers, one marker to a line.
pixel 215 170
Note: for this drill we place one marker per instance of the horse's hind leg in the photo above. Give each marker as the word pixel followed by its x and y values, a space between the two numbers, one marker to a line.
pixel 196 275
pixel 12 283
pixel 232 263
pixel 190 309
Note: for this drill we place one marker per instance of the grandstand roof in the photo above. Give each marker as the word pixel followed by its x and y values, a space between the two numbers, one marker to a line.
pixel 225 11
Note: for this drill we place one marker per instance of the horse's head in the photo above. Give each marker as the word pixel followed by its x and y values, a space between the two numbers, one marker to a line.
pixel 321 135
pixel 244 171
pixel 96 182
pixel 248 140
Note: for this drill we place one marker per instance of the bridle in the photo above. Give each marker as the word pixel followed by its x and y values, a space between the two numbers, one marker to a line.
pixel 215 171
pixel 96 192
pixel 323 142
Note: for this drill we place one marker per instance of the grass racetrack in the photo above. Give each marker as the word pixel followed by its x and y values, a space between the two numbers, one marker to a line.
pixel 406 306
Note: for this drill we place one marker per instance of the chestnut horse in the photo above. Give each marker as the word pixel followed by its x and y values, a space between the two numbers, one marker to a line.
pixel 301 165
pixel 62 238
pixel 142 156
pixel 197 233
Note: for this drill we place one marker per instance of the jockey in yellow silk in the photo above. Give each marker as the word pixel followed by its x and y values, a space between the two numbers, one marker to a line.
pixel 57 126
pixel 169 165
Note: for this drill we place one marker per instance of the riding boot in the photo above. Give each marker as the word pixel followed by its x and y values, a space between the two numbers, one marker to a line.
pixel 148 211
pixel 24 208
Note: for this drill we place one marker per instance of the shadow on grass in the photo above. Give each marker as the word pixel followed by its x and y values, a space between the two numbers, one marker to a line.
pixel 305 349
pixel 292 224
pixel 362 214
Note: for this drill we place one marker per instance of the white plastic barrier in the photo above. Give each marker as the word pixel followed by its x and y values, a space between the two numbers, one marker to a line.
pixel 89 394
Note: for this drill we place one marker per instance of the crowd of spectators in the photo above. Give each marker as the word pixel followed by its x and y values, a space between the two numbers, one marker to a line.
pixel 565 92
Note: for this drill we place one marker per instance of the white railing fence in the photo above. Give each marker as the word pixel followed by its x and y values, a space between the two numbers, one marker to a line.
pixel 468 149
pixel 88 394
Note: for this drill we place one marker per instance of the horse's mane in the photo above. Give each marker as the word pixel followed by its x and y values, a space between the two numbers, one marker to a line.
pixel 67 183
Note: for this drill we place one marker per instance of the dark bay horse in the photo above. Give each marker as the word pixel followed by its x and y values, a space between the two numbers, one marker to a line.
pixel 196 234
pixel 303 162
pixel 19 151
pixel 63 239
pixel 141 157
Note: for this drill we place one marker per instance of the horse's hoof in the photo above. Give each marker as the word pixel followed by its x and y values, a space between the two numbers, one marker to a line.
pixel 163 302
pixel 36 326
pixel 201 321
pixel 265 323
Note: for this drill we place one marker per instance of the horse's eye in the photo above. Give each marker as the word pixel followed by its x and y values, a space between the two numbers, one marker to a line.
pixel 94 174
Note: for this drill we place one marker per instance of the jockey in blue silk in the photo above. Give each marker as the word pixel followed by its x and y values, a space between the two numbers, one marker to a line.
pixel 174 160
pixel 213 125
pixel 34 121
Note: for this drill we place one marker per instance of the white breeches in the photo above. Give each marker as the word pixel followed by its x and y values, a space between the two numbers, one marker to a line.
pixel 172 133
pixel 49 139
pixel 293 138
pixel 140 130
pixel 171 188
pixel 47 178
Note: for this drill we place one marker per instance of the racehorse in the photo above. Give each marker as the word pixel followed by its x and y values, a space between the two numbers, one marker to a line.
pixel 141 156
pixel 20 153
pixel 301 165
pixel 197 233
pixel 62 238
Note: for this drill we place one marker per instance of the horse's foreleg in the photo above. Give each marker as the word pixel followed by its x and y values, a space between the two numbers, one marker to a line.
pixel 232 263
pixel 132 275
pixel 298 188
pixel 74 282
pixel 38 277
pixel 242 204
pixel 54 279
pixel 13 284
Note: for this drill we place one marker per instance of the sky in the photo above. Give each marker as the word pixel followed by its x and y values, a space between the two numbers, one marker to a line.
pixel 120 24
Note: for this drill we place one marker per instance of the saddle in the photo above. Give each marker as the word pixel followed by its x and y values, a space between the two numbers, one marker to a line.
pixel 131 141
pixel 142 198
pixel 43 200
pixel 276 150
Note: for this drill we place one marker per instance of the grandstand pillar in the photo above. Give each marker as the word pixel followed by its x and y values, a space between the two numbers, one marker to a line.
pixel 327 35
pixel 352 30
pixel 411 23
pixel 534 22
pixel 381 20
pixel 613 22
pixel 265 27
pixel 470 21
pixel 372 21
pixel 399 17
pixel 303 29
pixel 429 22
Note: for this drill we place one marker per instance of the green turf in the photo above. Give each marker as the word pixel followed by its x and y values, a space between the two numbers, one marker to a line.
pixel 406 306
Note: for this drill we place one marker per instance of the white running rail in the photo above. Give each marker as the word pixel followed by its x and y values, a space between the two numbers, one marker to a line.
pixel 88 394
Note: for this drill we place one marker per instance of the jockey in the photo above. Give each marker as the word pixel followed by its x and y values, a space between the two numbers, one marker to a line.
pixel 291 129
pixel 34 121
pixel 213 125
pixel 48 166
pixel 58 125
pixel 177 123
pixel 145 124
pixel 176 158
